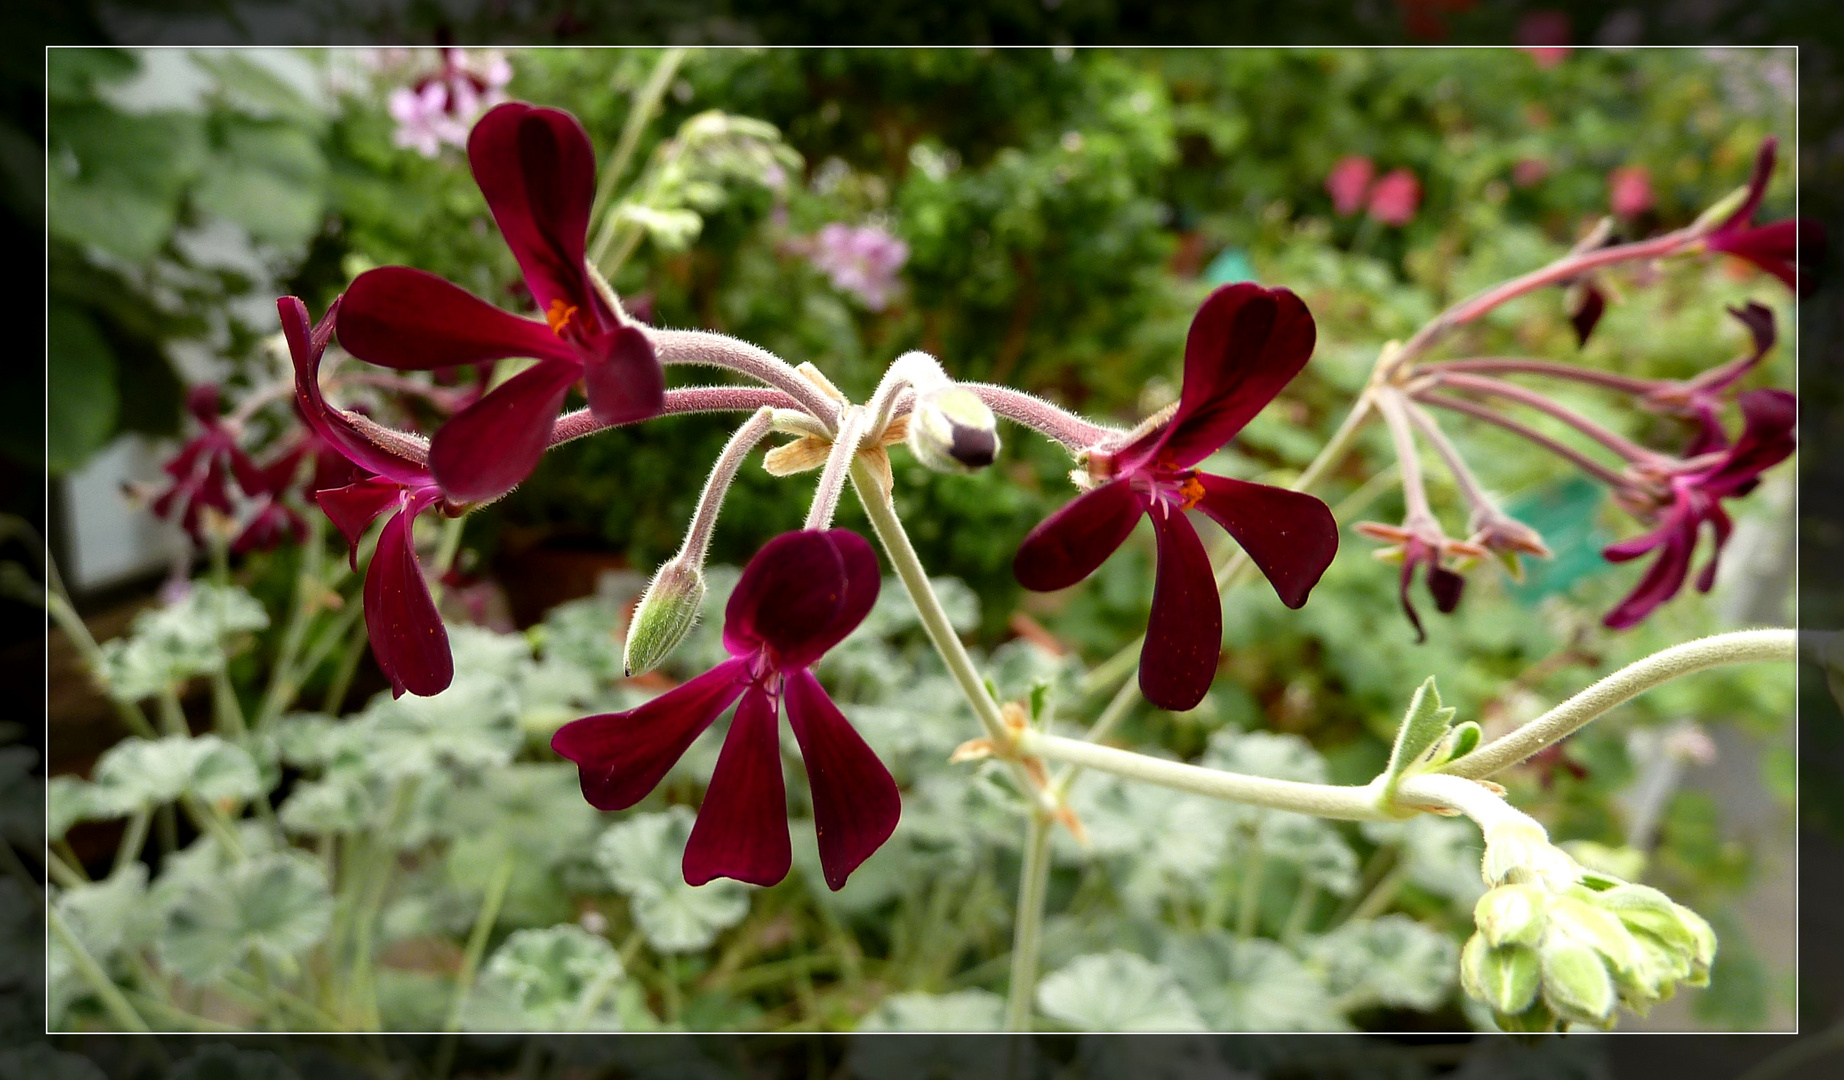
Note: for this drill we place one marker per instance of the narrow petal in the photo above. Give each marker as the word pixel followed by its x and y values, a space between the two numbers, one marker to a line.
pixel 1068 545
pixel 1184 636
pixel 1723 527
pixel 307 345
pixel 1757 186
pixel 1585 314
pixel 1405 579
pixel 354 507
pixel 855 801
pixel 1636 546
pixel 1245 344
pixel 1290 536
pixel 407 635
pixel 1661 581
pixel 625 380
pixel 620 757
pixel 742 828
pixel 408 319
pixel 1768 419
pixel 484 450
pixel 536 168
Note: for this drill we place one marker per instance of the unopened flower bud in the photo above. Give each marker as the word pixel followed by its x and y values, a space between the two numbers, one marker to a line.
pixel 1520 851
pixel 952 431
pixel 1511 915
pixel 1721 210
pixel 666 614
pixel 1505 977
pixel 1602 931
pixel 1576 985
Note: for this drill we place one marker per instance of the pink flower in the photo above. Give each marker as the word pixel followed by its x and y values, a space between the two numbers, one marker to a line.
pixel 1544 37
pixel 1629 190
pixel 1395 197
pixel 440 108
pixel 1528 172
pixel 1245 344
pixel 862 261
pixel 1347 183
pixel 800 596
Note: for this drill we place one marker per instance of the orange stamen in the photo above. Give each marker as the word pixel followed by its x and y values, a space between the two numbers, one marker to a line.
pixel 1192 490
pixel 559 316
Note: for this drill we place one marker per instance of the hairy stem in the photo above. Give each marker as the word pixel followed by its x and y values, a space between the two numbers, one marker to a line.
pixel 751 361
pixel 717 485
pixel 1492 416
pixel 1495 365
pixel 1390 403
pixel 1028 930
pixel 832 478
pixel 1619 444
pixel 1042 417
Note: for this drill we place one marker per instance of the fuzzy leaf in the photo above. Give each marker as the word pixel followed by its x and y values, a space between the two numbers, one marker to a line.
pixel 642 858
pixel 963 1010
pixel 140 773
pixel 560 978
pixel 1117 991
pixel 275 904
pixel 1423 727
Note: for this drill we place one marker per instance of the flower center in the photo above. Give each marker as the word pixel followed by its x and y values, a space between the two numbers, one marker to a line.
pixel 1190 493
pixel 559 315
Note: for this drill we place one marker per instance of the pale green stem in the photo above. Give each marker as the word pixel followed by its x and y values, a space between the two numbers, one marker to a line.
pixel 281 688
pixel 1740 646
pixel 838 461
pixel 342 675
pixel 1028 931
pixel 211 820
pixel 62 872
pixel 92 972
pixel 378 879
pixel 477 942
pixel 1381 895
pixel 65 615
pixel 1485 807
pixel 1301 915
pixel 227 711
pixel 172 715
pixel 446 548
pixel 1116 710
pixel 1248 898
pixel 639 114
pixel 592 999
pixel 134 838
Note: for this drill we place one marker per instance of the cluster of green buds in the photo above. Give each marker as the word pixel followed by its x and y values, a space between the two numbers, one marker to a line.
pixel 1558 944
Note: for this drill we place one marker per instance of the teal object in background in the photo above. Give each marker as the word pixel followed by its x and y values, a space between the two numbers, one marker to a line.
pixel 1564 513
pixel 1230 266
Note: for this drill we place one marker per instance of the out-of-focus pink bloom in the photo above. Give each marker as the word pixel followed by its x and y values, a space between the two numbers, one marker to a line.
pixel 1347 183
pixel 1629 190
pixel 862 260
pixel 1528 172
pixel 1395 197
pixel 1544 36
pixel 440 108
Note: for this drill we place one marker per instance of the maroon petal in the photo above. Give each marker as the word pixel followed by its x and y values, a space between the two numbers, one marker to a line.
pixel 742 828
pixel 625 382
pixel 1719 521
pixel 855 802
pixel 536 168
pixel 1757 186
pixel 354 507
pixel 1290 536
pixel 1445 586
pixel 406 631
pixel 408 319
pixel 800 595
pixel 1068 545
pixel 484 450
pixel 1661 581
pixel 1634 547
pixel 863 580
pixel 307 345
pixel 1789 250
pixel 1768 419
pixel 1184 636
pixel 1245 344
pixel 1590 304
pixel 620 757
pixel 274 524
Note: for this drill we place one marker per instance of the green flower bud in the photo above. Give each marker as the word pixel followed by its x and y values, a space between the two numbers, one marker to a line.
pixel 1576 985
pixel 951 430
pixel 666 614
pixel 1511 915
pixel 1721 209
pixel 1602 931
pixel 1535 1019
pixel 1504 977
pixel 1520 851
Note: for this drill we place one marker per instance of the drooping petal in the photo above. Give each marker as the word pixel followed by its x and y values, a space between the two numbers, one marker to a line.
pixel 484 450
pixel 406 631
pixel 742 827
pixel 307 345
pixel 1403 580
pixel 1184 636
pixel 1789 250
pixel 625 381
pixel 1068 545
pixel 1245 344
pixel 1661 581
pixel 801 594
pixel 620 757
pixel 354 507
pixel 1757 186
pixel 1588 304
pixel 399 317
pixel 1445 586
pixel 1768 419
pixel 1289 535
pixel 1633 547
pixel 855 801
pixel 536 168
pixel 1723 527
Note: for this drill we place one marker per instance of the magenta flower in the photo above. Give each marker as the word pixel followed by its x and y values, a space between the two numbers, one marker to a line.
pixel 537 171
pixel 207 469
pixel 1629 190
pixel 1789 250
pixel 863 261
pixel 1687 500
pixel 1347 183
pixel 1701 398
pixel 406 631
pixel 800 595
pixel 1246 342
pixel 1395 197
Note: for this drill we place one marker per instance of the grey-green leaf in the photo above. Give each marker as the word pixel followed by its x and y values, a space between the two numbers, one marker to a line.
pixel 1117 991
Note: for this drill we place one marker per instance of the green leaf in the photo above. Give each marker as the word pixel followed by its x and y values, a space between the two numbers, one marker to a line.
pixel 1439 854
pixel 80 396
pixel 1250 984
pixel 328 808
pixel 142 773
pixel 1117 991
pixel 1392 960
pixel 109 915
pixel 277 905
pixel 1266 753
pixel 74 74
pixel 22 796
pixel 1314 846
pixel 114 180
pixel 268 178
pixel 168 645
pixel 963 1010
pixel 1423 727
pixel 560 978
pixel 642 858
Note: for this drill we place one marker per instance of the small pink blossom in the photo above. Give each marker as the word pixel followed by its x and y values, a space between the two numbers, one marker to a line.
pixel 1629 190
pixel 862 260
pixel 1395 197
pixel 1544 37
pixel 441 107
pixel 1528 172
pixel 1347 183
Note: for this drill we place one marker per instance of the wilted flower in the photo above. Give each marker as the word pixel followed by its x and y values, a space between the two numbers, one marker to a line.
pixel 861 260
pixel 1395 197
pixel 1245 344
pixel 1421 543
pixel 1347 183
pixel 1629 190
pixel 798 597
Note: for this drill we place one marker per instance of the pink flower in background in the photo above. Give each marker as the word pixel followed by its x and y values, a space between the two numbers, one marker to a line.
pixel 1395 197
pixel 1528 172
pixel 863 261
pixel 440 108
pixel 1347 183
pixel 1629 190
pixel 1544 36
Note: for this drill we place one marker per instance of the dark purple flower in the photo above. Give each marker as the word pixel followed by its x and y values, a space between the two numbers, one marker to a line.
pixel 1701 398
pixel 537 170
pixel 1423 544
pixel 800 595
pixel 1686 500
pixel 406 631
pixel 1246 342
pixel 1789 250
pixel 207 468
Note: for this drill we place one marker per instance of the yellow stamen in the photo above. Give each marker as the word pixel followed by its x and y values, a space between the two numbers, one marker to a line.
pixel 1192 490
pixel 559 315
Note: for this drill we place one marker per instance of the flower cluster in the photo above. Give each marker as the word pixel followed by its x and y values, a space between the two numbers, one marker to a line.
pixel 862 260
pixel 439 108
pixel 1558 945
pixel 1391 199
